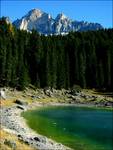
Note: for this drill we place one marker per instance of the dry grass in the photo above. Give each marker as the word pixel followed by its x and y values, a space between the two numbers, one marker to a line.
pixel 12 96
pixel 48 99
pixel 8 102
pixel 19 144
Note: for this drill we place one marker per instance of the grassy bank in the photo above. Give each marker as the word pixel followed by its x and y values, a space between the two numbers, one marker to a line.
pixel 5 136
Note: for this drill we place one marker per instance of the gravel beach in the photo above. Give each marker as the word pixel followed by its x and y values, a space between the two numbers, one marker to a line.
pixel 17 102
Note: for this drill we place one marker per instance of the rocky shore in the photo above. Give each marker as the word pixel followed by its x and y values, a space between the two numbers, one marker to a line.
pixel 12 121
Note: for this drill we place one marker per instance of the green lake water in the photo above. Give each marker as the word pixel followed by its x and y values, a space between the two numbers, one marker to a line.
pixel 77 127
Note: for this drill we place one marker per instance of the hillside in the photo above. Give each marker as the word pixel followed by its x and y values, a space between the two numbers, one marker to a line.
pixel 84 59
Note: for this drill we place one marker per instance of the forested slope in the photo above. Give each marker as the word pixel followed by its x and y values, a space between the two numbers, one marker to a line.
pixel 79 58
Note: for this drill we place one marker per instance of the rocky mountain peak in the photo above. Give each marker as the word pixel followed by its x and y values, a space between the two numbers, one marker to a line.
pixel 34 14
pixel 45 24
pixel 61 16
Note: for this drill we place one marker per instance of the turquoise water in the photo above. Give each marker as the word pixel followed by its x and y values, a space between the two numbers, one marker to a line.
pixel 77 127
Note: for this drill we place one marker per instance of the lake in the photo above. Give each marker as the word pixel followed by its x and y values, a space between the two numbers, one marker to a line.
pixel 80 128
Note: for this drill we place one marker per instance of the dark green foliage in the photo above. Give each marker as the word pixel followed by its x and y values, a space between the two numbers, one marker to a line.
pixel 79 58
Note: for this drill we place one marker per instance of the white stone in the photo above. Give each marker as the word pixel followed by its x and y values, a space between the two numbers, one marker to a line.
pixel 2 94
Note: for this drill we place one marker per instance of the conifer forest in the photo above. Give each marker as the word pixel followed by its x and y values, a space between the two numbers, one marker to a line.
pixel 79 58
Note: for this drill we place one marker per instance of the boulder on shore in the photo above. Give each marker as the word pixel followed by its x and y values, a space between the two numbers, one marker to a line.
pixel 2 94
pixel 21 102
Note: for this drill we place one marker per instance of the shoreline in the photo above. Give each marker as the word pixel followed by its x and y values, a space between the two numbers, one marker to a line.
pixel 79 105
pixel 13 123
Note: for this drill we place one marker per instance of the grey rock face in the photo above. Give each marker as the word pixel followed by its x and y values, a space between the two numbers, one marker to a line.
pixel 45 24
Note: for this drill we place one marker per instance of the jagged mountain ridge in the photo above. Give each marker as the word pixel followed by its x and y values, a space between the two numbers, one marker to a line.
pixel 45 24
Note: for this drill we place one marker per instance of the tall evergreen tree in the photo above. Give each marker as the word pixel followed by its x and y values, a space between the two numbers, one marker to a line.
pixel 56 61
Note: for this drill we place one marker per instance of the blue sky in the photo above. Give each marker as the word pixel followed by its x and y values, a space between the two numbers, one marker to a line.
pixel 92 11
